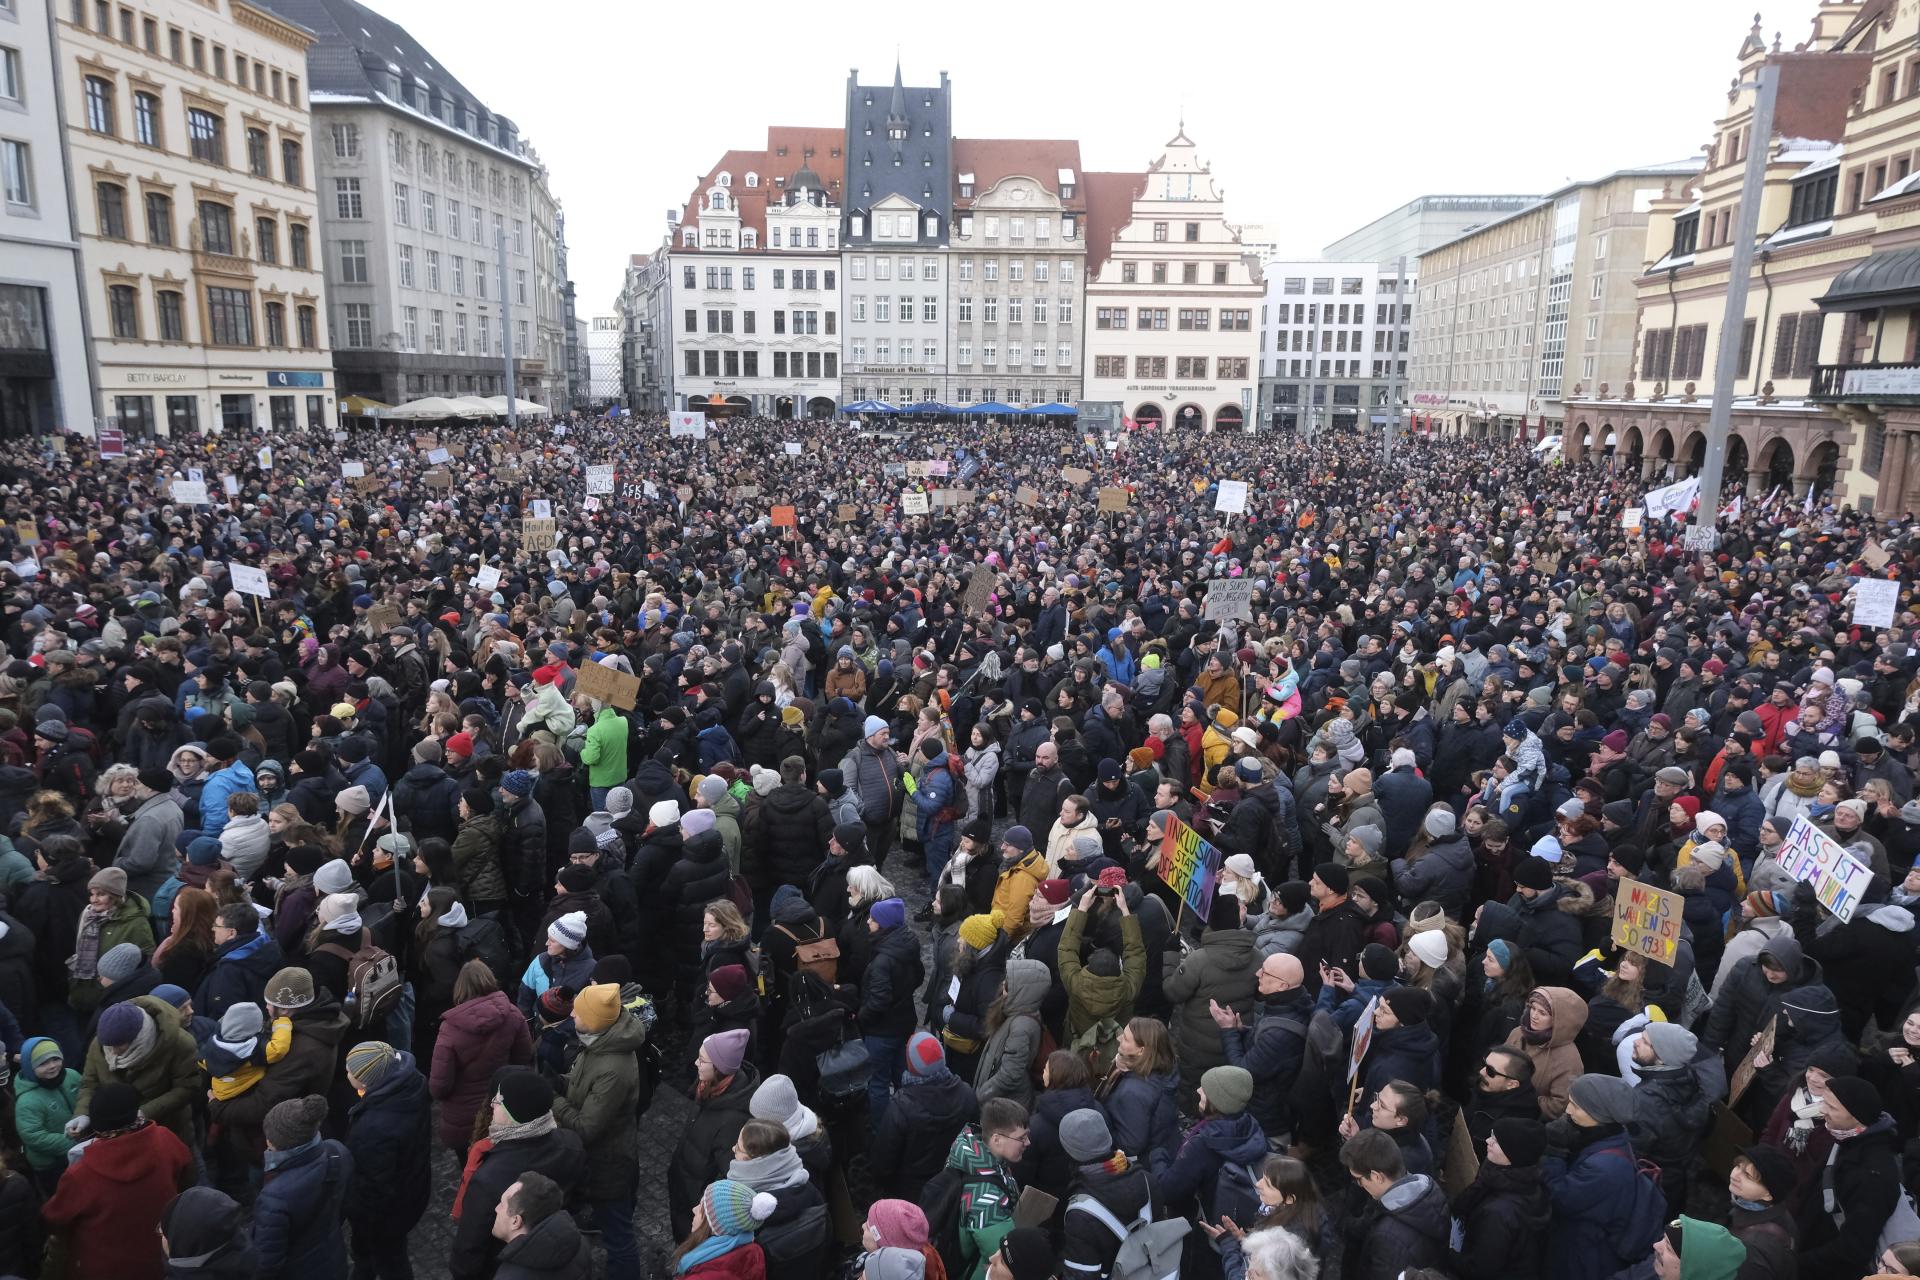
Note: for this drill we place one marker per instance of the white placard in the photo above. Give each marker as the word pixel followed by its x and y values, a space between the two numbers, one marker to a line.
pixel 438 456
pixel 248 580
pixel 590 503
pixel 600 479
pixel 230 486
pixel 190 491
pixel 687 424
pixel 649 488
pixel 1634 519
pixel 1230 598
pixel 488 579
pixel 352 470
pixel 339 437
pixel 915 504
pixel 266 458
pixel 1232 497
pixel 1874 602
pixel 541 508
pixel 792 447
pixel 1839 880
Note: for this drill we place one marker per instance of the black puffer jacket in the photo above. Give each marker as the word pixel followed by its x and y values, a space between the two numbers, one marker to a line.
pixel 523 846
pixel 794 830
pixel 428 801
pixel 1405 1229
pixel 917 1130
pixel 557 1153
pixel 706 1146
pixel 893 973
pixel 1089 1247
pixel 390 1133
pixel 1748 1002
pixel 1504 1215
pixel 698 878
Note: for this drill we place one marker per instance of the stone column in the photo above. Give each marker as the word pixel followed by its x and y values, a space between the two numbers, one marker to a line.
pixel 1756 485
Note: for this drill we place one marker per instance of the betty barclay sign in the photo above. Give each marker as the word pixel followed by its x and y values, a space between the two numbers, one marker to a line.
pixel 1647 920
pixel 1189 865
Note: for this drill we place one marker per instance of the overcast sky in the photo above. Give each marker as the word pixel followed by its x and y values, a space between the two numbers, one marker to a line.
pixel 1317 118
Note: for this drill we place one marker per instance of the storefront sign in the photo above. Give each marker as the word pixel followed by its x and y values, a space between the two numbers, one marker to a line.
pixel 296 378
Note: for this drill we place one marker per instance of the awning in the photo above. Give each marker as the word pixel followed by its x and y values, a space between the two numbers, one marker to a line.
pixel 1888 279
pixel 361 406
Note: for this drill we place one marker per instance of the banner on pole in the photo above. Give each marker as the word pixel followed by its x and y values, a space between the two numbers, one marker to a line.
pixel 248 580
pixel 1874 602
pixel 693 425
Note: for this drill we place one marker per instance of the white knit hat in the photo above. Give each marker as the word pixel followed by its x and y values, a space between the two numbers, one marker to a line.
pixel 570 930
pixel 1430 945
pixel 664 813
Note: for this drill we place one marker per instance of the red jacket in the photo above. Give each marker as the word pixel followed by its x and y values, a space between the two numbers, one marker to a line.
pixel 107 1208
pixel 476 1039
pixel 745 1263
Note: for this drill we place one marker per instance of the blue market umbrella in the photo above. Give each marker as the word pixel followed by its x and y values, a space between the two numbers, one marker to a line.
pixel 990 406
pixel 868 406
pixel 1053 408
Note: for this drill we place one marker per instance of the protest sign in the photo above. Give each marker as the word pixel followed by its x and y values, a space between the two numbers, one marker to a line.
pixel 265 457
pixel 1633 519
pixel 600 479
pixel 782 518
pixel 382 618
pixel 693 425
pixel 1114 498
pixel 1875 556
pixel 1231 498
pixel 741 492
pixel 249 580
pixel 1027 496
pixel 1839 880
pixel 1675 499
pixel 1874 602
pixel 791 448
pixel 915 504
pixel 529 456
pixel 1357 1053
pixel 1749 1067
pixel 846 513
pixel 27 567
pixel 230 486
pixel 1189 865
pixel 537 534
pixel 457 450
pixel 113 443
pixel 1075 475
pixel 541 509
pixel 590 503
pixel 609 684
pixel 26 532
pixel 488 579
pixel 1646 920
pixel 649 488
pixel 980 591
pixel 426 440
pixel 438 456
pixel 1230 598
pixel 919 470
pixel 684 493
pixel 437 479
pixel 352 470
pixel 190 491
pixel 1462 1166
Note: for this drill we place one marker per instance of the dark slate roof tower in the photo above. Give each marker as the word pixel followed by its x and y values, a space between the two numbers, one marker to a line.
pixel 899 144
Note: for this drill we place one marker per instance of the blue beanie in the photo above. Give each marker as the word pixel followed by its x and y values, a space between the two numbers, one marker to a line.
pixel 517 782
pixel 204 852
pixel 1515 728
pixel 871 726
pixel 888 913
pixel 363 602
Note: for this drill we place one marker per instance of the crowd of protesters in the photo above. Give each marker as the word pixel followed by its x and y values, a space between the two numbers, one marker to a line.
pixel 861 837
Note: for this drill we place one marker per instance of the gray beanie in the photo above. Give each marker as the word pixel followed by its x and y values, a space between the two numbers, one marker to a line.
pixel 1084 1136
pixel 1368 837
pixel 895 1264
pixel 242 1022
pixel 1439 822
pixel 1608 1099
pixel 1672 1043
pixel 333 877
pixel 119 962
pixel 712 787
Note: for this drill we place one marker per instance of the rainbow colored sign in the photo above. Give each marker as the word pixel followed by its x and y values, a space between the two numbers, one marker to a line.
pixel 1189 865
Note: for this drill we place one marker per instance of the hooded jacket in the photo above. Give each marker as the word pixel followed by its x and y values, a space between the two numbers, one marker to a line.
pixel 147 853
pixel 389 1133
pixel 1404 1230
pixel 1557 1062
pixel 1013 891
pixel 207 1237
pixel 601 1105
pixel 553 1250
pixel 917 1129
pixel 1222 968
pixel 1749 1002
pixel 106 1202
pixel 1005 1066
pixel 1504 1214
pixel 1095 998
pixel 557 1153
pixel 706 1145
pixel 476 1039
pixel 1868 963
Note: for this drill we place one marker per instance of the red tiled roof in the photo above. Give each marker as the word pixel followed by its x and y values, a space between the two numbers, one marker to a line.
pixel 991 159
pixel 1110 198
pixel 774 169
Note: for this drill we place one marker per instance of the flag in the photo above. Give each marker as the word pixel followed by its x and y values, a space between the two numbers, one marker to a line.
pixel 1732 510
pixel 1807 506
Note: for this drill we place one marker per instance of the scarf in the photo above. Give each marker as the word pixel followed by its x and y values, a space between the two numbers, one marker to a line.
pixel 1806 1110
pixel 348 924
pixel 1751 1206
pixel 513 1131
pixel 456 917
pixel 130 1056
pixel 771 1172
pixel 275 1159
pixel 1817 811
pixel 712 1248
pixel 84 965
pixel 474 1155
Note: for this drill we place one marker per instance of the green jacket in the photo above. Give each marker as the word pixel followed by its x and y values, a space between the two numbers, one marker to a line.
pixel 1091 998
pixel 41 1112
pixel 605 752
pixel 601 1105
pixel 476 860
pixel 987 1202
pixel 168 1079
pixel 726 820
pixel 130 922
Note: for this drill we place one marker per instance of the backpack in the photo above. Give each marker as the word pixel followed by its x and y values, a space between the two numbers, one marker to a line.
pixel 374 986
pixel 1646 1217
pixel 942 1198
pixel 819 956
pixel 1149 1250
pixel 484 940
pixel 1234 1194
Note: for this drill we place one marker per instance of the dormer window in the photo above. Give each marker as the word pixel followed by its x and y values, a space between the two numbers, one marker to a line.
pixel 897 131
pixel 1686 234
pixel 749 238
pixel 717 202
pixel 689 238
pixel 725 179
pixel 753 179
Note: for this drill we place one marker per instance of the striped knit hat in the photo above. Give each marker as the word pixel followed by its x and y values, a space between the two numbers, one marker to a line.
pixel 369 1062
pixel 734 1208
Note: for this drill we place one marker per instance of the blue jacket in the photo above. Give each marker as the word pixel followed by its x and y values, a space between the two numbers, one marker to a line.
pixel 296 1220
pixel 1592 1197
pixel 390 1135
pixel 231 780
pixel 1143 1115
pixel 366 774
pixel 239 975
pixel 1194 1169
pixel 1744 813
pixel 1121 667
pixel 935 794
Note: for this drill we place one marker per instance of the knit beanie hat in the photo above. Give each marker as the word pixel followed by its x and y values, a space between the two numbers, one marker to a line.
pixel 121 1025
pixel 333 877
pixel 1430 945
pixel 1608 1099
pixel 897 1224
pixel 158 781
pixel 570 930
pixel 370 1061
pixel 1028 1252
pixel 729 981
pixel 1672 1043
pixel 241 1023
pixel 290 988
pixel 735 1208
pixel 596 1007
pixel 1085 1137
pixel 776 1099
pixel 1857 1094
pixel 698 822
pixel 175 996
pixel 44 1049
pixel 664 813
pixel 556 1003
pixel 1774 1168
pixel 1439 822
pixel 1229 1089
pixel 119 962
pixel 525 1094
pixel 872 725
pixel 1410 1005
pixel 724 1049
pixel 295 1122
pixel 517 782
pixel 1334 876
pixel 1019 839
pixel 573 877
pixel 619 800
pixel 979 932
pixel 712 787
pixel 888 913
pixel 112 880
pixel 337 906
pixel 115 1107
pixel 1502 952
pixel 1524 1140
pixel 354 799
pixel 895 1264
pixel 1532 873
pixel 926 1056
pixel 1378 962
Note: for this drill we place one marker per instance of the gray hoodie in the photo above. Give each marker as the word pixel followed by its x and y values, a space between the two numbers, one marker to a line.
pixel 1005 1066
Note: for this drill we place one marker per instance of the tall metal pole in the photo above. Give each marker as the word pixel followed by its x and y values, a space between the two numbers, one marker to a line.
pixel 1733 318
pixel 1313 376
pixel 506 327
pixel 1393 361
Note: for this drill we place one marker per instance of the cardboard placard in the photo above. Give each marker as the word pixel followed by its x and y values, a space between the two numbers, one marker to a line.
pixel 1231 497
pixel 1034 1208
pixel 915 504
pixel 249 580
pixel 600 479
pixel 26 532
pixel 529 456
pixel 609 684
pixel 426 440
pixel 1646 920
pixel 438 456
pixel 846 512
pixel 791 448
pixel 1075 475
pixel 488 579
pixel 457 450
pixel 369 484
pixel 265 458
pixel 919 470
pixel 190 491
pixel 1027 496
pixel 1229 599
pixel 1750 1065
pixel 1728 1137
pixel 1839 880
pixel 782 518
pixel 1114 498
pixel 1875 556
pixel 437 480
pixel 980 587
pixel 537 534
pixel 742 492
pixel 1463 1165
pixel 382 618
pixel 230 486
pixel 1633 519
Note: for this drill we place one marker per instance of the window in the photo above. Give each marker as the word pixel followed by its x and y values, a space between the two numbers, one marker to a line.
pixel 1229 367
pixel 429 214
pixel 276 316
pixel 459 276
pixel 292 171
pixel 266 237
pixel 1195 318
pixel 1193 233
pixel 746 278
pixel 1109 366
pixel 1813 198
pixel 1149 366
pixel 1016 308
pixel 346 141
pixel 112 201
pixel 229 317
pixel 1153 318
pixel 410 327
pixel 1189 273
pixel 1190 367
pixel 990 311
pixel 1686 233
pixel 346 198
pixel 990 354
pixel 1110 317
pixel 402 204
pixel 359 318
pixel 519 235
pixel 123 308
pixel 353 261
pixel 1159 273
pixel 1064 356
pixel 693 364
pixel 100 105
pixel 257 163
pixel 1746 348
pixel 297 249
pixel 1039 310
pixel 459 333
pixel 204 139
pixel 171 308
pixel 485 337
pixel 16 172
pixel 437 330
pixel 406 266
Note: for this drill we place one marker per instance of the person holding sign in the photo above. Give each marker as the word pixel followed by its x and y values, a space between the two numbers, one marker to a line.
pixel 1220 971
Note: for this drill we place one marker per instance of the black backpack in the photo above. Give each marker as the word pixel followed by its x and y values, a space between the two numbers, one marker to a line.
pixel 942 1198
pixel 486 941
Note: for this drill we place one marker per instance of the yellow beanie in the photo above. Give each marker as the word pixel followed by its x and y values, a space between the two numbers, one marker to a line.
pixel 979 932
pixel 595 1008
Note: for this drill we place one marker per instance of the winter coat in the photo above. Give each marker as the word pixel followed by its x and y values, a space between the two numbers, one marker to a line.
pixel 1592 1189
pixel 312 1065
pixel 794 828
pixel 297 1217
pixel 1748 1002
pixel 389 1133
pixel 1092 998
pixel 602 1106
pixel 1443 873
pixel 706 1145
pixel 1404 1230
pixel 1863 1177
pixel 147 853
pixel 893 972
pixel 1409 1052
pixel 232 780
pixel 1088 1248
pixel 427 800
pixel 1504 1214
pixel 1223 969
pixel 557 1153
pixel 1040 801
pixel 1046 1164
pixel 50 908
pixel 1670 1109
pixel 1013 891
pixel 475 1040
pixel 241 968
pixel 1404 798
pixel 523 846
pixel 167 1079
pixel 1557 1062
pixel 1868 962
pixel 915 1131
pixel 698 878
pixel 41 1110
pixel 553 1250
pixel 107 1204
pixel 605 750
pixel 477 868
pixel 1550 937
pixel 1141 1112
pixel 1193 1169
pixel 1271 1050
pixel 1005 1064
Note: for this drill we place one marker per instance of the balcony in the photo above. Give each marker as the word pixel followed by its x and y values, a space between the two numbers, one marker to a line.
pixel 1866 384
